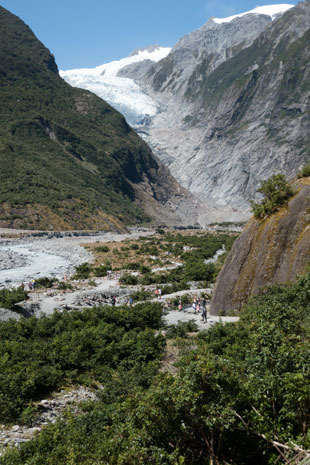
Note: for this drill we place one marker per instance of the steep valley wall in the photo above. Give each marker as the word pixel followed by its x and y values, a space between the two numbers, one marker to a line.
pixel 273 250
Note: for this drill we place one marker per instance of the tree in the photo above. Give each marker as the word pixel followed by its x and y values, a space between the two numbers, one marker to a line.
pixel 276 192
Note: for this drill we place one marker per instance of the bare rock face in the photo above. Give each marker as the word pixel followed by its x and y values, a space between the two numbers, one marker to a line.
pixel 235 107
pixel 269 251
pixel 209 46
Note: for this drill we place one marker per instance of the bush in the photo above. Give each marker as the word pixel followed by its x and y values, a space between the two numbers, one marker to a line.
pixel 128 279
pixel 142 295
pixel 133 266
pixel 276 193
pixel 45 282
pixel 82 271
pixel 102 248
pixel 62 285
pixel 101 271
pixel 145 269
pixel 181 329
pixel 304 173
pixel 9 298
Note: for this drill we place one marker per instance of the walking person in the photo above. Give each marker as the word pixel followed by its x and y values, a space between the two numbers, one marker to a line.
pixel 180 305
pixel 198 305
pixel 194 306
pixel 204 311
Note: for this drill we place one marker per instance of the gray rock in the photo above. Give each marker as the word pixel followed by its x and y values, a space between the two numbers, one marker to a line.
pixel 229 118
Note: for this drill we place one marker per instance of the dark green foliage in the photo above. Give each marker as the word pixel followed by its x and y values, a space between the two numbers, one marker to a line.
pixel 39 355
pixel 129 279
pixel 144 269
pixel 185 299
pixel 62 285
pixel 241 396
pixel 141 295
pixel 101 271
pixel 181 329
pixel 82 271
pixel 45 282
pixel 305 172
pixel 175 287
pixel 9 298
pixel 276 193
pixel 133 266
pixel 102 248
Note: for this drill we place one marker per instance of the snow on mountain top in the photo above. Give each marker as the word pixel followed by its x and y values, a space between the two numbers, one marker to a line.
pixel 270 10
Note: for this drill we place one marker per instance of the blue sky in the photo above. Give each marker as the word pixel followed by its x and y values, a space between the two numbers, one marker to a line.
pixel 87 33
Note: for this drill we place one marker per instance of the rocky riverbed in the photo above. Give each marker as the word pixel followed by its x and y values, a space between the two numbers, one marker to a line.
pixel 39 254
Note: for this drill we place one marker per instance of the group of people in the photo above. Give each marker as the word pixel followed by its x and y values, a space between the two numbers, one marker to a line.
pixel 197 306
pixel 31 285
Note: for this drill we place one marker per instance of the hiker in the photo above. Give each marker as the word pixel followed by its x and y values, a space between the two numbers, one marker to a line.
pixel 180 305
pixel 159 293
pixel 204 311
pixel 130 301
pixel 156 293
pixel 194 306
pixel 198 305
pixel 113 300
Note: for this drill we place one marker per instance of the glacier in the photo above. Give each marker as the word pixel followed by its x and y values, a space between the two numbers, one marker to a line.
pixel 123 93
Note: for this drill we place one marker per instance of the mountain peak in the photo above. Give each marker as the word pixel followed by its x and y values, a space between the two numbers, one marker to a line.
pixel 149 49
pixel 268 10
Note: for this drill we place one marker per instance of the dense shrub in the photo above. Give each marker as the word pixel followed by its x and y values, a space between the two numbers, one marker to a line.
pixel 39 355
pixel 133 266
pixel 241 396
pixel 101 271
pixel 304 172
pixel 181 329
pixel 129 279
pixel 45 282
pixel 9 298
pixel 102 248
pixel 82 271
pixel 276 193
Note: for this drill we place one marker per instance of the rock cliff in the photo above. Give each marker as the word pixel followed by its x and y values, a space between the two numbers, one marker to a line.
pixel 235 106
pixel 269 251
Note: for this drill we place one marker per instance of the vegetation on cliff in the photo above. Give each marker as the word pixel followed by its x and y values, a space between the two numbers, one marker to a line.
pixel 276 192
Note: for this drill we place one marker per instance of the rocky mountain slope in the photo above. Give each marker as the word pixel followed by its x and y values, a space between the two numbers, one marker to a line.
pixel 269 251
pixel 68 159
pixel 239 111
pixel 228 105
